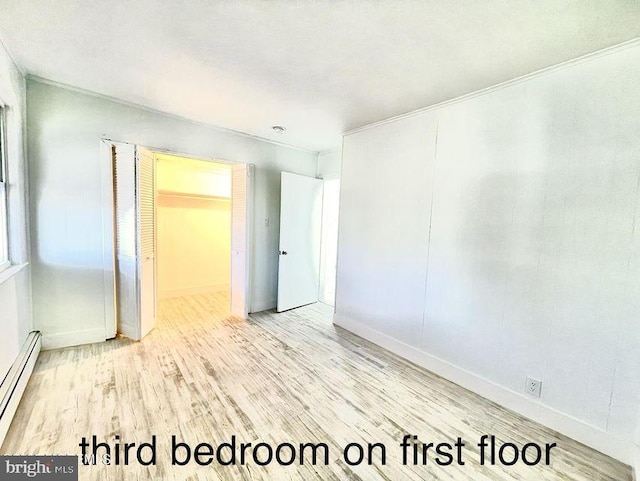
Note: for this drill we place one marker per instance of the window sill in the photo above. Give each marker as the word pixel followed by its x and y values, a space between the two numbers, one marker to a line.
pixel 11 271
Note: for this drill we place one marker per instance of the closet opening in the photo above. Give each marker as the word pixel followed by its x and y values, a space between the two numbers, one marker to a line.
pixel 175 227
pixel 193 228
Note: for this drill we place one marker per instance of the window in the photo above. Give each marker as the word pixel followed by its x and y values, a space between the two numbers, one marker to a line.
pixel 4 217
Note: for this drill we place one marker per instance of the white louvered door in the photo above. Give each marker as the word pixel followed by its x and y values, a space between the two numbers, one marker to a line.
pixel 126 284
pixel 145 190
pixel 241 178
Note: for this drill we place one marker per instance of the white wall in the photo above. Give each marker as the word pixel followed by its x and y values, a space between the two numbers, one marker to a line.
pixel 15 291
pixel 65 127
pixel 495 238
pixel 193 246
pixel 329 164
pixel 191 176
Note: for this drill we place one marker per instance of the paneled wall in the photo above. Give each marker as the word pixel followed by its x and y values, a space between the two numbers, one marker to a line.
pixel 496 238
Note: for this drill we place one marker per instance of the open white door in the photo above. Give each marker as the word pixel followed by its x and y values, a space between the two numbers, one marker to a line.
pixel 300 230
pixel 146 252
pixel 241 188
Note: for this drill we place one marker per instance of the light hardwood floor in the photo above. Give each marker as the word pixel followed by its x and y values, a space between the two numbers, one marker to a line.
pixel 290 377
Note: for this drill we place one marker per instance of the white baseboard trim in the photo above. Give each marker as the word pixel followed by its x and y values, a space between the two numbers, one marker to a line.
pixel 585 433
pixel 192 291
pixel 73 338
pixel 264 305
pixel 15 382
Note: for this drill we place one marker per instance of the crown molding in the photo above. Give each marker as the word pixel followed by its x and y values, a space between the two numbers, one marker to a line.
pixel 91 93
pixel 508 83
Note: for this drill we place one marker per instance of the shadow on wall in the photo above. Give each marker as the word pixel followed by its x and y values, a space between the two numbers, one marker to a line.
pixel 72 229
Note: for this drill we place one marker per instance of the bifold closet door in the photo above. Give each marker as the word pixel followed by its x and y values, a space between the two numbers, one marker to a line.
pixel 145 188
pixel 241 182
pixel 126 277
pixel 134 207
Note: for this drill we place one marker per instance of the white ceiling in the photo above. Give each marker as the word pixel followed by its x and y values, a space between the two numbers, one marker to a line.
pixel 317 67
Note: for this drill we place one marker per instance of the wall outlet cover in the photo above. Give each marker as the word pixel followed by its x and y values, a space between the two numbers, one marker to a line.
pixel 533 387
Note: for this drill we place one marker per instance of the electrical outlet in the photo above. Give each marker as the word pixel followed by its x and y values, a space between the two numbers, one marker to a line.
pixel 267 221
pixel 533 387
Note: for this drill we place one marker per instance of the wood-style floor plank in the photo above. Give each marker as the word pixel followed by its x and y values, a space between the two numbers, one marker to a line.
pixel 204 376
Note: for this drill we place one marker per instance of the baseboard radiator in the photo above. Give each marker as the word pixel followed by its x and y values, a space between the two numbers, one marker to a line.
pixel 15 382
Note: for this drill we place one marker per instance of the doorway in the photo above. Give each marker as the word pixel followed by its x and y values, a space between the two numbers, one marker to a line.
pixel 308 241
pixel 174 225
pixel 193 227
pixel 300 229
pixel 329 241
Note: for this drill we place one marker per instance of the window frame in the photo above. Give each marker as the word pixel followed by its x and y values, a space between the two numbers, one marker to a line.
pixel 5 257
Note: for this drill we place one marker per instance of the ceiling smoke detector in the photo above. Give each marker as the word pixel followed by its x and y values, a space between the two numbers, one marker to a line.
pixel 278 129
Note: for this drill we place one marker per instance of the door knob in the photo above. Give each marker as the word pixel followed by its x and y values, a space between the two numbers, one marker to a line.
pixel 283 253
